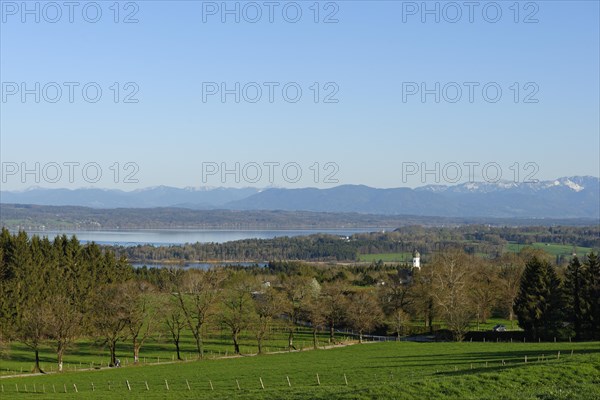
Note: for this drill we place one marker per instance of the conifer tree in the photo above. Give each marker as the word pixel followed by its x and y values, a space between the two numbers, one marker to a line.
pixel 539 304
pixel 576 300
pixel 592 292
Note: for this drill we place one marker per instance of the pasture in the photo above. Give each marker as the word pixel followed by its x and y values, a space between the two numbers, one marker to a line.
pixel 392 370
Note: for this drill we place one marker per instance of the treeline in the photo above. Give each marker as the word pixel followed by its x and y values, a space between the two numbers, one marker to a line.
pixel 478 239
pixel 314 247
pixel 38 217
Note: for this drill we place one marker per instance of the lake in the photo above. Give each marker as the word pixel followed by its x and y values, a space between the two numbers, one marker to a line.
pixel 168 237
pixel 201 265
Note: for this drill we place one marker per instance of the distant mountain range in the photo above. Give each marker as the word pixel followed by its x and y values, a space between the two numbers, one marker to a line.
pixel 568 197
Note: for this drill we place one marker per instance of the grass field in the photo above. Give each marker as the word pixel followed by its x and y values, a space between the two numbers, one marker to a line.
pixel 85 354
pixel 217 343
pixel 387 257
pixel 393 370
pixel 552 249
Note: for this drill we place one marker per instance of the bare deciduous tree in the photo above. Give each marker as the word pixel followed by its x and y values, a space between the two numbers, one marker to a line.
pixel 197 293
pixel 33 329
pixel 64 324
pixel 484 289
pixel 237 307
pixel 334 304
pixel 142 314
pixel 268 305
pixel 511 270
pixel 110 316
pixel 398 320
pixel 364 312
pixel 175 324
pixel 452 277
pixel 296 289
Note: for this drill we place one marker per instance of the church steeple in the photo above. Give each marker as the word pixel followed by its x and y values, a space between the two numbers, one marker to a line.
pixel 416 260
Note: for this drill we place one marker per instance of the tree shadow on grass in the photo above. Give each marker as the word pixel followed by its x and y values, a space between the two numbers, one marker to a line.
pixel 458 359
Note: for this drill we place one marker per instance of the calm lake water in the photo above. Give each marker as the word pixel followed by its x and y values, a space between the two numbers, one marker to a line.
pixel 197 265
pixel 167 237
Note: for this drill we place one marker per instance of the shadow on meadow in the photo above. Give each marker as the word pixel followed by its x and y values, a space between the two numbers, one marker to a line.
pixel 478 357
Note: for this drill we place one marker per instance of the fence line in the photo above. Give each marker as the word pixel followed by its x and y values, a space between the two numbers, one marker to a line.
pixel 285 381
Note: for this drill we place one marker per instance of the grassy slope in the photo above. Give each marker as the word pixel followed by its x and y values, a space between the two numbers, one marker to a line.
pixel 374 371
pixel 158 349
pixel 20 359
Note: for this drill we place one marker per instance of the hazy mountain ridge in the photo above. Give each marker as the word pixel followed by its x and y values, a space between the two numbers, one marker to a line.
pixel 567 197
pixel 159 196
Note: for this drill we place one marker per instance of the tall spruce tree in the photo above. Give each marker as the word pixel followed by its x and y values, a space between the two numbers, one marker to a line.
pixel 592 292
pixel 577 301
pixel 540 301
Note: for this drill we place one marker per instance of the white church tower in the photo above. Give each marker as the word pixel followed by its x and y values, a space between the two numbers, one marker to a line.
pixel 416 260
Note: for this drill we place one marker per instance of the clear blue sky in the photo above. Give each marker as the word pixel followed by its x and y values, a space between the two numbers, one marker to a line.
pixel 372 54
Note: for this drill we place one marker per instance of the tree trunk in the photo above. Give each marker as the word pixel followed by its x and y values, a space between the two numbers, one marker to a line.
pixel 136 354
pixel 260 340
pixel 236 345
pixel 177 347
pixel 511 317
pixel 430 320
pixel 113 357
pixel 37 367
pixel 360 337
pixel 291 339
pixel 331 333
pixel 59 356
pixel 315 341
pixel 199 345
pixel 59 359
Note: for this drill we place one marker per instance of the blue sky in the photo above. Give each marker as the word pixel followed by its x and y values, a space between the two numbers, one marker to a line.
pixel 372 57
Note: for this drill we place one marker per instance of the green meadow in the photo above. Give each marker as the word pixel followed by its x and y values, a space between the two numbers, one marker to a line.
pixel 552 249
pixel 392 370
pixel 387 257
pixel 157 349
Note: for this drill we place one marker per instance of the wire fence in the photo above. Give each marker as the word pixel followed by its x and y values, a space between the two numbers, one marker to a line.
pixel 260 383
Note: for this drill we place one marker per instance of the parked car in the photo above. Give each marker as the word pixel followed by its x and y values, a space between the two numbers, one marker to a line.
pixel 499 328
